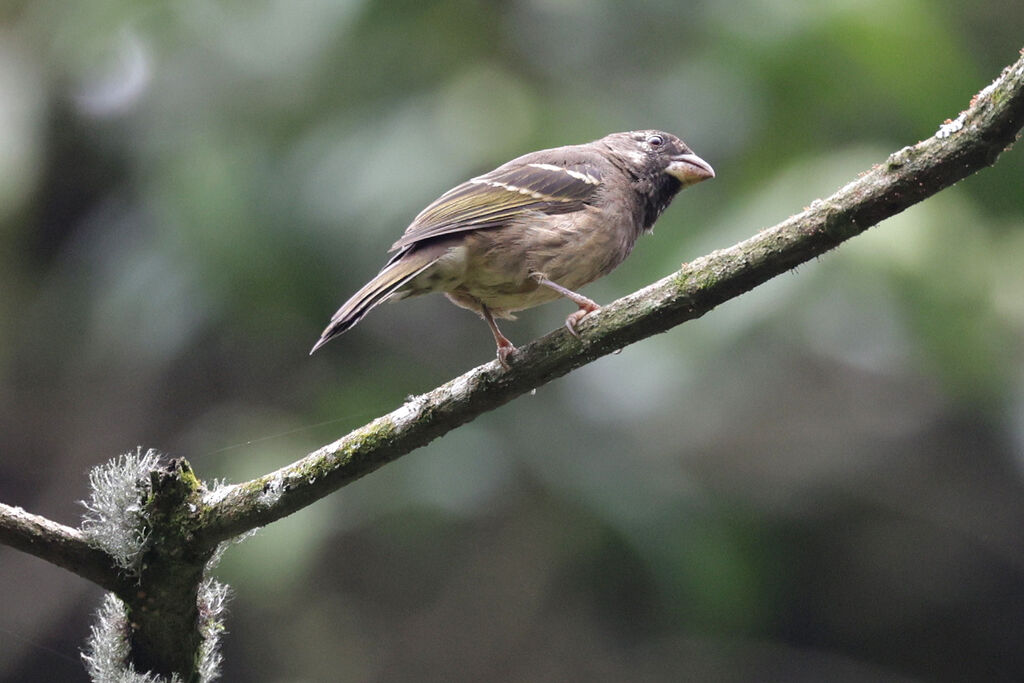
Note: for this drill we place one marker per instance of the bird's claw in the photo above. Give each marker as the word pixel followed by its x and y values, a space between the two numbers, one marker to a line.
pixel 574 318
pixel 503 352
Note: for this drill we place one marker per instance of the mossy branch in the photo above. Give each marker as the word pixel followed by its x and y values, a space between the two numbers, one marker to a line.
pixel 961 147
pixel 971 142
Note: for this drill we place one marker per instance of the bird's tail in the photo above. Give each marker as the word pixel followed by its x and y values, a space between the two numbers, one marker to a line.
pixel 389 280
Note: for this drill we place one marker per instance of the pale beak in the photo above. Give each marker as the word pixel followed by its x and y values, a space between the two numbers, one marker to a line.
pixel 689 169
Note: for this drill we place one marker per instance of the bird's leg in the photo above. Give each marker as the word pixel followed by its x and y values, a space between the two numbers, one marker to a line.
pixel 505 347
pixel 586 305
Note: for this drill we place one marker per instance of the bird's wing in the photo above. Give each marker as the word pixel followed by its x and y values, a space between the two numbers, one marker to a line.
pixel 527 184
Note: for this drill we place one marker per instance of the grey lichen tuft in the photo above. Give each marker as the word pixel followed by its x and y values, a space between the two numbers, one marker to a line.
pixel 114 520
pixel 212 600
pixel 106 655
pixel 107 649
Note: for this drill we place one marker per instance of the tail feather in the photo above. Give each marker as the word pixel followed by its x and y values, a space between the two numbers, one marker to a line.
pixel 389 280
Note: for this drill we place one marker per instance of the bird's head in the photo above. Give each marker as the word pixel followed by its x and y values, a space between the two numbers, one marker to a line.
pixel 653 152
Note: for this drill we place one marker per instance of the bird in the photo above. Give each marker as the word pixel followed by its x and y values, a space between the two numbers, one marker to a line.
pixel 533 230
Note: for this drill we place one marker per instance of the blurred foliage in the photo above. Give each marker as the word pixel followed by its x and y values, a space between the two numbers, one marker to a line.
pixel 819 481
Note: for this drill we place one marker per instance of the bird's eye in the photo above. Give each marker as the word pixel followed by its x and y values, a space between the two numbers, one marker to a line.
pixel 655 141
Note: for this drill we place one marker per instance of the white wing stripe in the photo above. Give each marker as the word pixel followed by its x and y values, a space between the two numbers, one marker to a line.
pixel 520 190
pixel 585 177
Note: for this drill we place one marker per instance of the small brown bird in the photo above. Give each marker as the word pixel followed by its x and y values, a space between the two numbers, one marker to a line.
pixel 533 230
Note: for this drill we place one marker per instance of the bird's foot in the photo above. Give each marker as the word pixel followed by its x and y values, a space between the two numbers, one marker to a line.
pixel 505 347
pixel 586 305
pixel 574 318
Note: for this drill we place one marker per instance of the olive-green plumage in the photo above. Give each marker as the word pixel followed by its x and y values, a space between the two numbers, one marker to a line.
pixel 534 229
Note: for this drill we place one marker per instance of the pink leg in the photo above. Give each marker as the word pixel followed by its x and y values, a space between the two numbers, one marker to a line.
pixel 586 305
pixel 505 347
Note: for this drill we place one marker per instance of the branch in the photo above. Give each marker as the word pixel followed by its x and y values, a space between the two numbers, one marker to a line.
pixel 961 147
pixel 60 545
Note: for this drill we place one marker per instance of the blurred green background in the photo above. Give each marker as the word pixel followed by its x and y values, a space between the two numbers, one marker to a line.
pixel 821 480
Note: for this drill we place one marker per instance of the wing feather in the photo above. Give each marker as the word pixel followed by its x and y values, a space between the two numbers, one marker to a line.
pixel 528 184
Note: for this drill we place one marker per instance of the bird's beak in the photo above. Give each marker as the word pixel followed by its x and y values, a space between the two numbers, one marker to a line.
pixel 689 169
